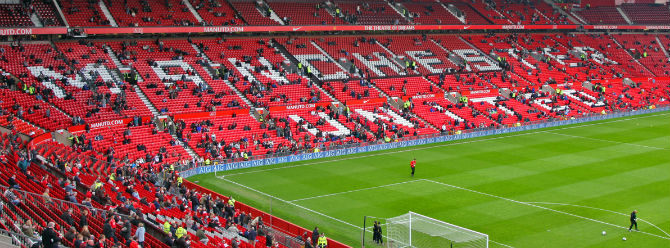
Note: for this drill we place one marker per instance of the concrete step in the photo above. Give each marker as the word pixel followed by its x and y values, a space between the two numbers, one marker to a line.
pixel 193 11
pixel 145 100
pixel 107 13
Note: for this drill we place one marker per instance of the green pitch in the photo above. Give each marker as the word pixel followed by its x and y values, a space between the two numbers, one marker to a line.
pixel 557 187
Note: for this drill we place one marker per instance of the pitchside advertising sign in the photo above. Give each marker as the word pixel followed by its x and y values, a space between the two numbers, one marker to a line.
pixel 248 29
pixel 371 148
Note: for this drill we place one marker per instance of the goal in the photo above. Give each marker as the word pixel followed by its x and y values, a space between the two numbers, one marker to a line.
pixel 419 231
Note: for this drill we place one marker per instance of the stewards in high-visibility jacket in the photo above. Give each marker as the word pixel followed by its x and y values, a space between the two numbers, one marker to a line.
pixel 166 227
pixel 322 242
pixel 180 232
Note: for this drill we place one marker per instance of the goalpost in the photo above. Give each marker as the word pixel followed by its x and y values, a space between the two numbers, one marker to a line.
pixel 413 230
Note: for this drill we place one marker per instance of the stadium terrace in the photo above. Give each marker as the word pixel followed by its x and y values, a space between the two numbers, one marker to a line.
pixel 139 123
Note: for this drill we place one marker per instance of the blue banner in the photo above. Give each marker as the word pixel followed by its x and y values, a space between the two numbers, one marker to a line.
pixel 408 143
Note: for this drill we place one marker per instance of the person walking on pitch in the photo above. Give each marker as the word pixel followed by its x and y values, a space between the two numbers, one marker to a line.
pixel 633 221
pixel 413 165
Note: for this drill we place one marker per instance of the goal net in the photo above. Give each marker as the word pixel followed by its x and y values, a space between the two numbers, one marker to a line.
pixel 415 230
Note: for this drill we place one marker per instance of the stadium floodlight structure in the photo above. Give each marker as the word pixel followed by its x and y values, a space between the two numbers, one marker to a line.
pixel 413 230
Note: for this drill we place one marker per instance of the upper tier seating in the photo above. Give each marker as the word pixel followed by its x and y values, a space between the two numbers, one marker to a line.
pixel 258 73
pixel 490 12
pixel 303 13
pixel 602 15
pixel 625 64
pixel 647 13
pixel 321 65
pixel 14 15
pixel 521 13
pixel 46 11
pixel 151 13
pixel 432 57
pixel 369 12
pixel 178 84
pixel 364 53
pixel 430 13
pixel 251 14
pixel 85 94
pixel 471 15
pixel 83 13
pixel 216 12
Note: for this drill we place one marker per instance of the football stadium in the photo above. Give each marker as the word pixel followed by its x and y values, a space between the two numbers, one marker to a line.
pixel 334 123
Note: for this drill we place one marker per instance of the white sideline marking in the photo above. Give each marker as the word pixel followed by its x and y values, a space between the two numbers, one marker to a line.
pixel 442 145
pixel 351 191
pixel 316 212
pixel 582 206
pixel 498 243
pixel 541 207
pixel 532 204
pixel 290 203
pixel 604 140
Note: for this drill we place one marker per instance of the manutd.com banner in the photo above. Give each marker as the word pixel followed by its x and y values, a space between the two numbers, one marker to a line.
pixel 386 146
pixel 139 30
pixel 248 29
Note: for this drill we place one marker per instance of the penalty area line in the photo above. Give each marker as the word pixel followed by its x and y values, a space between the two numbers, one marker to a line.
pixel 319 213
pixel 609 141
pixel 541 207
pixel 351 191
pixel 594 208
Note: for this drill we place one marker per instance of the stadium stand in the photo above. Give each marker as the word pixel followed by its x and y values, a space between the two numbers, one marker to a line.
pixel 46 12
pixel 471 15
pixel 368 12
pixel 112 120
pixel 251 12
pixel 84 13
pixel 303 13
pixel 217 12
pixel 647 13
pixel 601 15
pixel 14 15
pixel 430 13
pixel 151 13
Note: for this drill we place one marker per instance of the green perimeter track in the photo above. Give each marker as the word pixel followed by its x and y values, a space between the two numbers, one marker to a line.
pixel 554 187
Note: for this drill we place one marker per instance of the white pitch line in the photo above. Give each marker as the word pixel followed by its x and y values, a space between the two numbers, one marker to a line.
pixel 541 207
pixel 582 206
pixel 498 243
pixel 442 145
pixel 313 211
pixel 351 191
pixel 290 203
pixel 604 140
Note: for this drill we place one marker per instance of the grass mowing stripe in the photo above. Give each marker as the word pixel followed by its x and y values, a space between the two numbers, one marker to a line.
pixel 603 140
pixel 541 207
pixel 319 213
pixel 546 167
pixel 531 204
pixel 614 212
pixel 293 204
pixel 351 191
pixel 443 145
